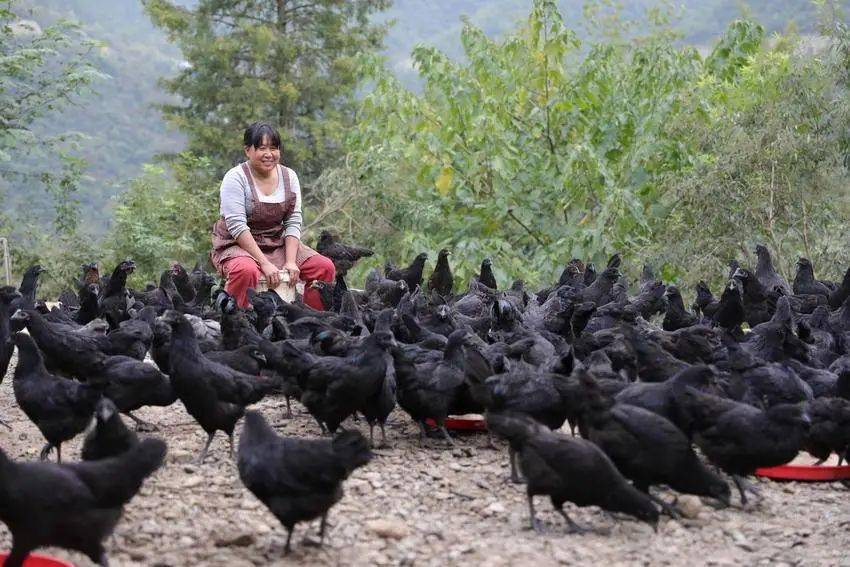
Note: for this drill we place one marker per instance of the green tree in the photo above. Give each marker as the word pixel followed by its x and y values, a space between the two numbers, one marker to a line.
pixel 290 62
pixel 42 71
pixel 533 149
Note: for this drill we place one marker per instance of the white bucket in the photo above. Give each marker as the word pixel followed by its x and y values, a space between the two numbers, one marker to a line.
pixel 285 290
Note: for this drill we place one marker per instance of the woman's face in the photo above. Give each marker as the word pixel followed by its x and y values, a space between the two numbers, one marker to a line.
pixel 265 157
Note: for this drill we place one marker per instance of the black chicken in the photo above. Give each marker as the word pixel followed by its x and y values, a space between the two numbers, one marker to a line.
pixel 115 301
pixel 297 479
pixel 8 294
pixel 337 387
pixel 486 276
pixel 434 389
pixel 676 317
pixel 805 282
pixel 59 407
pixel 411 275
pixel 342 255
pixel 132 385
pixel 766 274
pixel 27 291
pixel 650 450
pixel 739 438
pixel 569 469
pixel 73 506
pixel 830 428
pixel 213 394
pixel 441 279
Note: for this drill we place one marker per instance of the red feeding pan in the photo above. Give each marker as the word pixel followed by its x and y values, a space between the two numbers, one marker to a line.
pixel 36 560
pixel 811 473
pixel 469 422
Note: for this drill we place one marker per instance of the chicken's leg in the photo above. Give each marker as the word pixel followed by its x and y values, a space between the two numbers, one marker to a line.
pixel 669 509
pixel 322 527
pixel 288 408
pixel 574 527
pixel 446 435
pixel 423 433
pixel 743 488
pixel 535 524
pixel 288 548
pixel 203 454
pixel 45 451
pixel 230 439
pixel 59 452
pixel 383 436
pixel 515 478
pixel 142 425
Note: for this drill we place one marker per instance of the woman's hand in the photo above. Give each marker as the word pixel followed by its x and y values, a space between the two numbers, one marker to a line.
pixel 293 270
pixel 272 274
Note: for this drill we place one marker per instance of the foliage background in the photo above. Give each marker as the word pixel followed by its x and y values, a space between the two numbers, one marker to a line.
pixel 530 132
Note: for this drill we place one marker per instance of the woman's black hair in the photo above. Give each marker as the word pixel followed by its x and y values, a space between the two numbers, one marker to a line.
pixel 255 133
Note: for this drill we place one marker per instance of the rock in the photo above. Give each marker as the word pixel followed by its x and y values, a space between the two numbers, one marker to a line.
pixel 493 509
pixel 235 540
pixel 690 506
pixel 192 482
pixel 189 469
pixel 387 529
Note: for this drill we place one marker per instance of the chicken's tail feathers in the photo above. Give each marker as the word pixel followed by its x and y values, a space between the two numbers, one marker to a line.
pixel 149 455
pixel 352 448
pixel 477 368
pixel 114 481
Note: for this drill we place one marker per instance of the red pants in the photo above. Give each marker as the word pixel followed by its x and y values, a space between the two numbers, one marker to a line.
pixel 244 272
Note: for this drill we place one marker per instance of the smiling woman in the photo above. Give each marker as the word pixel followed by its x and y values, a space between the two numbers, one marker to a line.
pixel 259 232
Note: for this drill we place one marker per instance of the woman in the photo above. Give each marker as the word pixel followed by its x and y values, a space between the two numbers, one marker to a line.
pixel 259 232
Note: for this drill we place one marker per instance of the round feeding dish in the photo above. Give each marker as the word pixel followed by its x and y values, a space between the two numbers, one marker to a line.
pixel 809 473
pixel 36 560
pixel 470 422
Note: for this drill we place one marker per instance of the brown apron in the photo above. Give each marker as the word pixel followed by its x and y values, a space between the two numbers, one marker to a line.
pixel 266 225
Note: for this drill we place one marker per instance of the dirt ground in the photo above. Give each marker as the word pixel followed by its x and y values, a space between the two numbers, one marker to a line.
pixel 432 505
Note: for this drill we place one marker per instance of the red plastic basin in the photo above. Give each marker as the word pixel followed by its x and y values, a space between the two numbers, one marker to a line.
pixel 462 423
pixel 36 560
pixel 810 473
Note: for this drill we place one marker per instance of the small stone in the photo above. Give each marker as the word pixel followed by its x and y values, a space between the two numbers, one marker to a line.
pixel 440 495
pixel 189 469
pixel 494 509
pixel 235 540
pixel 387 529
pixel 690 506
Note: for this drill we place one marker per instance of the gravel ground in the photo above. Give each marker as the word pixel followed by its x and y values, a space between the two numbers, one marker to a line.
pixel 429 506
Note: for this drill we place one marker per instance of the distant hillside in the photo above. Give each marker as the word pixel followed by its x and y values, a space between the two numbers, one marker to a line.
pixel 438 22
pixel 124 130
